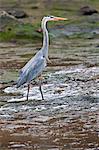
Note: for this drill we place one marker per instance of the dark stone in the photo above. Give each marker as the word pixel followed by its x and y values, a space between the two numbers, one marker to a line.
pixel 97 45
pixel 17 13
pixel 87 10
pixel 6 19
pixel 34 7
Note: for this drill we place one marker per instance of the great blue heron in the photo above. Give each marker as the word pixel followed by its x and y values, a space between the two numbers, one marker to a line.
pixel 36 65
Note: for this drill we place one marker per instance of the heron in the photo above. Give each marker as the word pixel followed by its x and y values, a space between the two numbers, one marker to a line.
pixel 35 66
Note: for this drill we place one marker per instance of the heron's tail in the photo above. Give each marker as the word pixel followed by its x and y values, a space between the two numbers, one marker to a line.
pixel 20 82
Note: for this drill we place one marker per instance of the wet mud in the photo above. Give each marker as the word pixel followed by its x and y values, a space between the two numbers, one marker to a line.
pixel 68 118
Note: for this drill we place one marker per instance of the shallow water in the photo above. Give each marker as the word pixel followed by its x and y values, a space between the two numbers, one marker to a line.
pixel 68 118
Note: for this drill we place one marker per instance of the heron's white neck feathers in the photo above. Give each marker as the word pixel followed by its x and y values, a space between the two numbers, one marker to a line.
pixel 45 38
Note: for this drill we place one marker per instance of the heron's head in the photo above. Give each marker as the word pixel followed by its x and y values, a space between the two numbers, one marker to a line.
pixel 53 18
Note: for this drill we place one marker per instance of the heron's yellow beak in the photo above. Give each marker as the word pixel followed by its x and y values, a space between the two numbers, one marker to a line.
pixel 59 18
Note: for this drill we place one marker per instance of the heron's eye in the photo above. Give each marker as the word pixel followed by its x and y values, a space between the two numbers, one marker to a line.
pixel 50 16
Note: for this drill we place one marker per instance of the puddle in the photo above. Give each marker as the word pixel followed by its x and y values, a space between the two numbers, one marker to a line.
pixel 73 81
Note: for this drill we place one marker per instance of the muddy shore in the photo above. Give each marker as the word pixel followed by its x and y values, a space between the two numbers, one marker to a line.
pixel 68 118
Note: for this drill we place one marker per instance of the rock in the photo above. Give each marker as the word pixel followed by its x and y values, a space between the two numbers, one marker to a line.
pixel 6 19
pixel 97 46
pixel 34 7
pixel 87 10
pixel 17 13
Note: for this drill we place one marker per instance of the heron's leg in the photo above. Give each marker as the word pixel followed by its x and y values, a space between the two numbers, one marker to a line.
pixel 40 88
pixel 28 91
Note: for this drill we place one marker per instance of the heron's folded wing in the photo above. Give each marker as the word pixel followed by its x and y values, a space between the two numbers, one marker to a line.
pixel 36 69
pixel 31 62
pixel 33 71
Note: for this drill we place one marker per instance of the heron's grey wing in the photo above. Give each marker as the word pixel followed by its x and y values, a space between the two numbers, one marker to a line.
pixel 32 62
pixel 32 71
pixel 36 69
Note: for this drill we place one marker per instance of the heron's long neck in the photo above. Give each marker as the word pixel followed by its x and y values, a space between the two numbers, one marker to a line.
pixel 45 40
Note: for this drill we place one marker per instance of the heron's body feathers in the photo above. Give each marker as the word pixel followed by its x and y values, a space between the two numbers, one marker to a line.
pixel 32 69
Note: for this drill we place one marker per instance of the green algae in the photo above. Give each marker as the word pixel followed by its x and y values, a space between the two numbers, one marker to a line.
pixel 19 32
